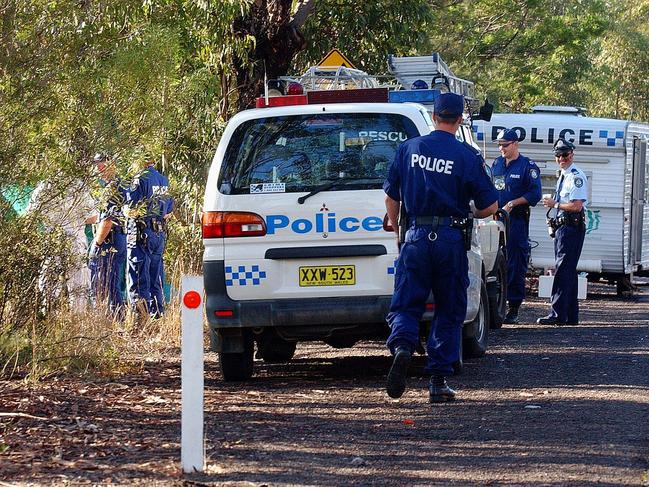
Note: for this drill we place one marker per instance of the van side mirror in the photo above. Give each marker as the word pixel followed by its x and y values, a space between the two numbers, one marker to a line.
pixel 485 112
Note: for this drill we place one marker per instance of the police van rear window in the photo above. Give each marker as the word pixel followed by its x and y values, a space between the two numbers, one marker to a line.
pixel 302 152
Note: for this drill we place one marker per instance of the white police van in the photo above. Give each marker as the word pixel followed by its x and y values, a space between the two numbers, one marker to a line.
pixel 297 243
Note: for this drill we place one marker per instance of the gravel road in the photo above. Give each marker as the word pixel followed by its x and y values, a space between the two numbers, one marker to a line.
pixel 545 406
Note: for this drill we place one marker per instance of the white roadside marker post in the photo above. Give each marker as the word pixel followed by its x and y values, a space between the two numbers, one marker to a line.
pixel 192 449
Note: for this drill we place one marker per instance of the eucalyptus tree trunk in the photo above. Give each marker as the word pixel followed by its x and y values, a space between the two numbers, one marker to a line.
pixel 277 40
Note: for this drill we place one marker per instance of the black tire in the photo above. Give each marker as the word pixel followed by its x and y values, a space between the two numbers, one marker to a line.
pixel 476 346
pixel 238 366
pixel 277 351
pixel 497 291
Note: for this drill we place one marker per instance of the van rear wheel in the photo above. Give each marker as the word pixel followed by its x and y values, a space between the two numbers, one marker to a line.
pixel 237 366
pixel 475 345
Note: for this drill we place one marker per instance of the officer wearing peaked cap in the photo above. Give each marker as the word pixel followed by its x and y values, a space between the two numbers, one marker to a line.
pixel 518 181
pixel 434 177
pixel 570 229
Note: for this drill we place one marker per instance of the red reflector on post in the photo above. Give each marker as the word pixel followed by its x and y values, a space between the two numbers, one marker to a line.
pixel 192 299
pixel 430 306
pixel 221 224
pixel 281 101
pixel 224 313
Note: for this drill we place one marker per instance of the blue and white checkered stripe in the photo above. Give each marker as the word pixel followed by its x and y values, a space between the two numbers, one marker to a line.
pixel 243 277
pixel 611 139
pixel 393 268
pixel 476 130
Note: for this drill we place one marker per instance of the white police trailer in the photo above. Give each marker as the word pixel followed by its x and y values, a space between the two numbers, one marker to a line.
pixel 297 242
pixel 613 154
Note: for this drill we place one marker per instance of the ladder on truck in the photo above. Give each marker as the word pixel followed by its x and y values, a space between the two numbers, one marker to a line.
pixel 431 69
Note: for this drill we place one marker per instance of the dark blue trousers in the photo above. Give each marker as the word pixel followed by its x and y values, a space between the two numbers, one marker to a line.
pixel 107 272
pixel 440 266
pixel 518 253
pixel 145 270
pixel 568 243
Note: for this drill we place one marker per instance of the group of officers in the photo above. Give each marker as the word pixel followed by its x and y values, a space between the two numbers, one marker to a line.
pixel 433 255
pixel 125 256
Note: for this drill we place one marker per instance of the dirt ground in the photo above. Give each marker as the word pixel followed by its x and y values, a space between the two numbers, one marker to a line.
pixel 545 406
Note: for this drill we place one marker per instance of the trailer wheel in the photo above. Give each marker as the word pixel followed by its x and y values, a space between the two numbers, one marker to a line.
pixel 497 291
pixel 475 344
pixel 238 366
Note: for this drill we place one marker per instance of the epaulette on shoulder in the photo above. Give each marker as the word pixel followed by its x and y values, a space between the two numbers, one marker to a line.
pixel 574 171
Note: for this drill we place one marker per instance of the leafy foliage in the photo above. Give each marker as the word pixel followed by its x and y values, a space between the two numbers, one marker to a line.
pixel 164 76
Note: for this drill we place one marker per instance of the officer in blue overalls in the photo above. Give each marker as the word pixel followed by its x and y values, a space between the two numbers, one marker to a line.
pixel 107 256
pixel 569 227
pixel 149 206
pixel 518 181
pixel 434 177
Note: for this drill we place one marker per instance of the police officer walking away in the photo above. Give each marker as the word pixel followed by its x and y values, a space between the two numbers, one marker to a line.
pixel 149 206
pixel 517 179
pixel 434 177
pixel 107 256
pixel 571 198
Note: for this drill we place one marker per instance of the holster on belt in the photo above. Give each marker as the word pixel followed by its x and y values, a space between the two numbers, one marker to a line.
pixel 573 219
pixel 521 211
pixel 142 237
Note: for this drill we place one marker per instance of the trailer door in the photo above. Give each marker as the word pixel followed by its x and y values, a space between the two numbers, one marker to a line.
pixel 638 198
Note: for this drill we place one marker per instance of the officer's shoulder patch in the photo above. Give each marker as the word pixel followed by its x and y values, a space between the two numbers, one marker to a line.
pixel 135 183
pixel 534 173
pixel 579 182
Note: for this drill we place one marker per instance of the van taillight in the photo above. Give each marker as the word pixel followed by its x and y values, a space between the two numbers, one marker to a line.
pixel 219 224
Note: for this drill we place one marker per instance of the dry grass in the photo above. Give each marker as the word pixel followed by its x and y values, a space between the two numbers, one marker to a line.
pixel 87 343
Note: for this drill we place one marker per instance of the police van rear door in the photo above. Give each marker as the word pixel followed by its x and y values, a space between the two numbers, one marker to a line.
pixel 314 175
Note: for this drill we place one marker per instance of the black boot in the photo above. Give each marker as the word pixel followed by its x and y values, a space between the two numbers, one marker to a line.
pixel 396 383
pixel 511 318
pixel 549 320
pixel 439 391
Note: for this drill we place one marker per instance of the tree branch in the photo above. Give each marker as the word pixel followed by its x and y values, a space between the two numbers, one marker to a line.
pixel 304 9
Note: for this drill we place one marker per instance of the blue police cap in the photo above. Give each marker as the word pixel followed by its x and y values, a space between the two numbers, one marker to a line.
pixel 562 146
pixel 449 106
pixel 507 135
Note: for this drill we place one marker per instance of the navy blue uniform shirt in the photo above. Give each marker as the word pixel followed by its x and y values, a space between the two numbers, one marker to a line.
pixel 151 189
pixel 521 178
pixel 438 175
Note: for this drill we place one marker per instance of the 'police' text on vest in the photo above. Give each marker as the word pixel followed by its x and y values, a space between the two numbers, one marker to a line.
pixel 432 164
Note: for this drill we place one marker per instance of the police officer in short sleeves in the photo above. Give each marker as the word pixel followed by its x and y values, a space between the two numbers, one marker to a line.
pixel 518 181
pixel 569 203
pixel 435 177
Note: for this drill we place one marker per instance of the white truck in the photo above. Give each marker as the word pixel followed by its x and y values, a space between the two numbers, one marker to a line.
pixel 614 155
pixel 297 242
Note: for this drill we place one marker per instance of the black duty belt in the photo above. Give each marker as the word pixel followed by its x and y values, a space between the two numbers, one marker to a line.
pixel 571 219
pixel 520 211
pixel 438 221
